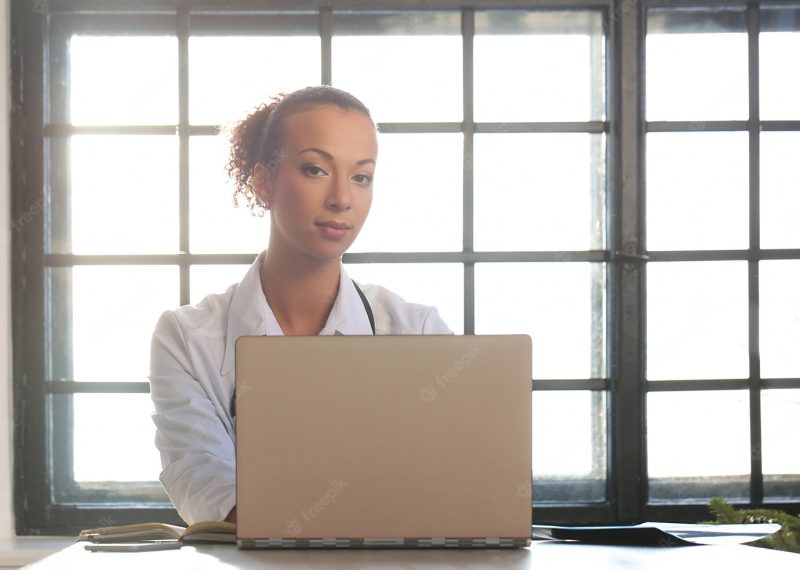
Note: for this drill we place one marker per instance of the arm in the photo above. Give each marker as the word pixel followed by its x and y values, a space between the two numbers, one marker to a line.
pixel 197 453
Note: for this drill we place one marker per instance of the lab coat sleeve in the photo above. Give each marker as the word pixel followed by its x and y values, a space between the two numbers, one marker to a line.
pixel 197 454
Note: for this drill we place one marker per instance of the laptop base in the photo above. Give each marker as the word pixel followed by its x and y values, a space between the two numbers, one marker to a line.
pixel 302 543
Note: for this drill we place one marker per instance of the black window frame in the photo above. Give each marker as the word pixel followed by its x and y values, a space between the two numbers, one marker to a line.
pixel 623 389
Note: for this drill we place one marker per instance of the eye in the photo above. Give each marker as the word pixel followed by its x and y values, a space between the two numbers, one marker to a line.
pixel 363 179
pixel 313 170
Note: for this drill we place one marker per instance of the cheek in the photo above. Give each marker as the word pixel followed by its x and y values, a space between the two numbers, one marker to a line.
pixel 293 198
pixel 289 212
pixel 366 202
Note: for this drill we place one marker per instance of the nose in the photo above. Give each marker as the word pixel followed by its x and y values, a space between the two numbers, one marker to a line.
pixel 339 194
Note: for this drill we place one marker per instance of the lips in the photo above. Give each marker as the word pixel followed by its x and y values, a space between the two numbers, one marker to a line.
pixel 334 230
pixel 334 225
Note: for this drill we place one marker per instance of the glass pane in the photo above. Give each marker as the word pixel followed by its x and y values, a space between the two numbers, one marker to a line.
pixel 215 224
pixel 113 438
pixel 377 70
pixel 114 312
pixel 574 421
pixel 696 66
pixel 124 194
pixel 779 312
pixel 539 192
pixel 780 424
pixel 539 66
pixel 560 305
pixel 213 279
pixel 440 285
pixel 780 190
pixel 128 80
pixel 417 198
pixel 779 46
pixel 230 76
pixel 698 444
pixel 697 191
pixel 697 320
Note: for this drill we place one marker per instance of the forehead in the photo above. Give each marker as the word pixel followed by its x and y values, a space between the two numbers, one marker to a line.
pixel 340 132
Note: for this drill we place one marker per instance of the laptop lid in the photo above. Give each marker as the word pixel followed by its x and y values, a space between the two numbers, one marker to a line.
pixel 389 440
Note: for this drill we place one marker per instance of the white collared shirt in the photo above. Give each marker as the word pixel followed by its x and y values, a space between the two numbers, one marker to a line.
pixel 192 378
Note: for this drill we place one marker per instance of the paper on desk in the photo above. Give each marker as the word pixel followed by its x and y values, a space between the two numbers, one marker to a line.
pixel 659 533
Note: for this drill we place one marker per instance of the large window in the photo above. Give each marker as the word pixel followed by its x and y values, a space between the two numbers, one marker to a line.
pixel 722 211
pixel 531 149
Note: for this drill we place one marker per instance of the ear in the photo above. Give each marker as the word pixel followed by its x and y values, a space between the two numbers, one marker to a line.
pixel 262 183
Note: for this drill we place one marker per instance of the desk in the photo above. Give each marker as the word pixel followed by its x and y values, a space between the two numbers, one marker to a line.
pixel 544 555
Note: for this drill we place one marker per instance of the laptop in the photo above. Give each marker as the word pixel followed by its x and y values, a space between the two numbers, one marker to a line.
pixel 400 441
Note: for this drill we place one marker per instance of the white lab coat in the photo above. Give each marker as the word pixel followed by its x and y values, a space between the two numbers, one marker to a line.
pixel 192 379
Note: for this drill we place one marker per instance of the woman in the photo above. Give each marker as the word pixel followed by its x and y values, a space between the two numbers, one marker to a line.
pixel 309 159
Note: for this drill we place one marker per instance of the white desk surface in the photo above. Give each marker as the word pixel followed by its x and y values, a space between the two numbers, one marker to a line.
pixel 541 555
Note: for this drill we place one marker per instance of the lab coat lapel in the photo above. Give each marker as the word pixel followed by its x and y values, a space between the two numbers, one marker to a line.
pixel 351 316
pixel 248 314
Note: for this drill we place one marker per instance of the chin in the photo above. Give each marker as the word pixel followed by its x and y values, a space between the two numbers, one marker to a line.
pixel 335 248
pixel 331 254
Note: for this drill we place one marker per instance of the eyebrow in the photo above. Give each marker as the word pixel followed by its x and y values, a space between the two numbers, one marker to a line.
pixel 329 156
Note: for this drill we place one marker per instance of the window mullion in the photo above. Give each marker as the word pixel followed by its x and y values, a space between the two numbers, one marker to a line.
pixel 756 471
pixel 183 147
pixel 326 43
pixel 27 249
pixel 629 473
pixel 467 38
pixel 99 387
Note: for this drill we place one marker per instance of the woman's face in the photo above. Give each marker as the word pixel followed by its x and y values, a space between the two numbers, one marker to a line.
pixel 322 191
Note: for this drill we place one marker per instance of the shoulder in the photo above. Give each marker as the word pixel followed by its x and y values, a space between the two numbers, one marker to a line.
pixel 209 317
pixel 395 315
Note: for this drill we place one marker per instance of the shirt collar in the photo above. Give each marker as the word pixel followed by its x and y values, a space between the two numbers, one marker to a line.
pixel 251 315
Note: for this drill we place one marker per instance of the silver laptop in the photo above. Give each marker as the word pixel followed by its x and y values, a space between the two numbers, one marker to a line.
pixel 404 441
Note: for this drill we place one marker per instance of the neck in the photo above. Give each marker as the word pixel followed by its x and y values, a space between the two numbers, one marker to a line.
pixel 300 291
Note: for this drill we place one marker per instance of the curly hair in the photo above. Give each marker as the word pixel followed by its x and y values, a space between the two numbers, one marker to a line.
pixel 259 137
